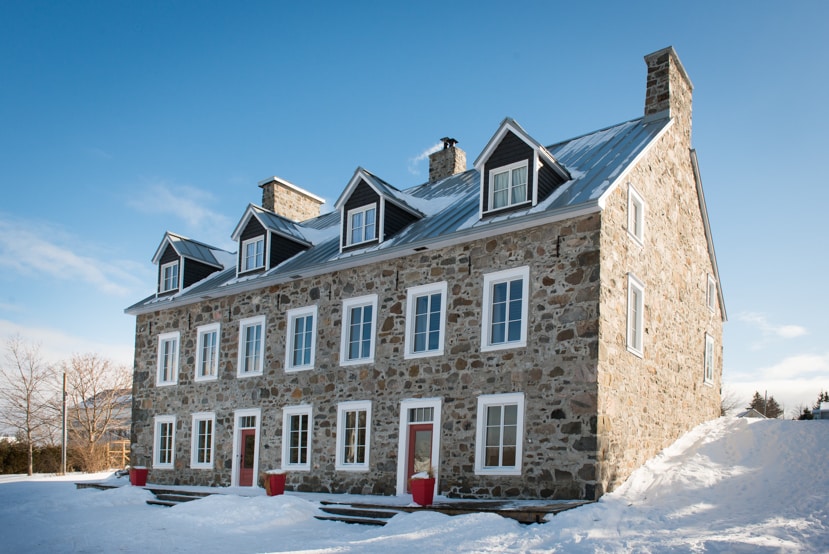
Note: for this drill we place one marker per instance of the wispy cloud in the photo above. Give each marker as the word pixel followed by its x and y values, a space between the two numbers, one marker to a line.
pixel 414 162
pixel 768 329
pixel 32 248
pixel 56 345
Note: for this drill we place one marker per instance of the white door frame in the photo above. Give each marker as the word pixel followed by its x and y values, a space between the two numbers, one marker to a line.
pixel 403 441
pixel 237 437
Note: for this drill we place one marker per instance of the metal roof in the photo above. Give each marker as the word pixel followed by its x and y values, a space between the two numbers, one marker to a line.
pixel 450 208
pixel 189 248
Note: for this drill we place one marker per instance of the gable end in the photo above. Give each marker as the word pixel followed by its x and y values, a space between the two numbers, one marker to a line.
pixel 510 150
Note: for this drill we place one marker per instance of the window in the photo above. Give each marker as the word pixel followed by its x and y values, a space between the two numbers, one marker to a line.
pixel 635 316
pixel 358 330
pixel 362 224
pixel 504 320
pixel 201 452
pixel 353 435
pixel 251 346
pixel 296 437
pixel 711 294
pixel 425 320
pixel 253 254
pixel 207 353
pixel 301 339
pixel 167 359
pixel 508 185
pixel 169 276
pixel 499 435
pixel 164 442
pixel 636 215
pixel 708 377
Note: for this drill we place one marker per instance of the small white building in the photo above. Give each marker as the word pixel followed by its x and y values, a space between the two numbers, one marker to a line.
pixel 822 412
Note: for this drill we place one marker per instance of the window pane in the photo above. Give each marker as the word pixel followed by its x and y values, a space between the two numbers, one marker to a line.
pixel 369 228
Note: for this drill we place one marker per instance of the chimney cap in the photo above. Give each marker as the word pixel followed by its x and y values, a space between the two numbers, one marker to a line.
pixel 448 142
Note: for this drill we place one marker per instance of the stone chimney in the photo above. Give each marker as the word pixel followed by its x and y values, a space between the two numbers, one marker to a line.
pixel 288 200
pixel 446 162
pixel 669 90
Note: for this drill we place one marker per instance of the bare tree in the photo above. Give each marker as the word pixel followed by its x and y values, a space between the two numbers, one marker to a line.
pixel 729 402
pixel 26 389
pixel 98 407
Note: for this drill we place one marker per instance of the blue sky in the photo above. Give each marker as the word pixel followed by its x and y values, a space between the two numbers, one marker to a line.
pixel 121 120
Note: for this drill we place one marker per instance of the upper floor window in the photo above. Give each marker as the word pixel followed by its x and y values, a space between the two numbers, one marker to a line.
pixel 207 353
pixel 499 435
pixel 358 330
pixel 253 254
pixel 505 309
pixel 353 435
pixel 301 339
pixel 167 372
pixel 201 451
pixel 362 224
pixel 636 215
pixel 169 276
pixel 711 293
pixel 164 442
pixel 508 185
pixel 635 315
pixel 708 375
pixel 251 346
pixel 425 320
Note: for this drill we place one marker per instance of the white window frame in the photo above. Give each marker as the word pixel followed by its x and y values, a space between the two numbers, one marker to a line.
pixel 510 186
pixel 287 413
pixel 241 370
pixel 343 408
pixel 412 294
pixel 290 337
pixel 348 305
pixel 175 337
pixel 484 402
pixel 246 259
pixel 635 327
pixel 636 215
pixel 349 225
pixel 238 416
pixel 174 282
pixel 708 363
pixel 496 278
pixel 403 437
pixel 194 443
pixel 711 294
pixel 201 332
pixel 158 421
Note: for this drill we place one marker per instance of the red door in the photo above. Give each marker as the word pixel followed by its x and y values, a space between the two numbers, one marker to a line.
pixel 247 457
pixel 420 450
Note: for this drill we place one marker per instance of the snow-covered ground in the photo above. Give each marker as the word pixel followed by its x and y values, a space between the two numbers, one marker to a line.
pixel 731 485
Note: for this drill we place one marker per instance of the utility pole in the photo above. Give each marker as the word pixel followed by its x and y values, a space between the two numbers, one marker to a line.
pixel 63 430
pixel 765 402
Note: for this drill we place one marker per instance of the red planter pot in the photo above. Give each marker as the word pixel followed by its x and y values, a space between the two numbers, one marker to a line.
pixel 138 476
pixel 274 483
pixel 423 491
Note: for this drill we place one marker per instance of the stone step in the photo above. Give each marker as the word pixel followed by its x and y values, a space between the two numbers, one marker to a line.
pixel 353 520
pixel 348 511
pixel 177 497
pixel 165 503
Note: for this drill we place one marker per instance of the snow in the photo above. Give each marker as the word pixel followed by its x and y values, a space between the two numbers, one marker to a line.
pixel 730 485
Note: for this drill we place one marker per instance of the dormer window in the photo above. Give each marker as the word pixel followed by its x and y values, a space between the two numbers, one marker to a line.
pixel 169 276
pixel 253 256
pixel 509 185
pixel 362 224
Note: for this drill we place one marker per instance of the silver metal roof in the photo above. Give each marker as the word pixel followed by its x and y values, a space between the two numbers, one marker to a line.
pixel 450 208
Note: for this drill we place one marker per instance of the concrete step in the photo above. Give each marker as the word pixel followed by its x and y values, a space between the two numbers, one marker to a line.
pixel 353 520
pixel 357 512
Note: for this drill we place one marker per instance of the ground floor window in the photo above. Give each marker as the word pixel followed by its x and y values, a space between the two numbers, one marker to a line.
pixel 500 433
pixel 201 455
pixel 353 435
pixel 164 442
pixel 296 437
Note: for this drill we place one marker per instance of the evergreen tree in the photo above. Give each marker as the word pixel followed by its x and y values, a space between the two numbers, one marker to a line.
pixel 823 396
pixel 768 407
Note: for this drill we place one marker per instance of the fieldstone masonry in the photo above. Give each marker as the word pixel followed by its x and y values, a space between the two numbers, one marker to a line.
pixel 289 201
pixel 594 411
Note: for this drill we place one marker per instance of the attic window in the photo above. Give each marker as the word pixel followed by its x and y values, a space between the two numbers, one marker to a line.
pixel 169 276
pixel 362 224
pixel 253 254
pixel 508 185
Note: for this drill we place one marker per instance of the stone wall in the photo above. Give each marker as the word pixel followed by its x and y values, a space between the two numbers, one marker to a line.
pixel 556 370
pixel 290 201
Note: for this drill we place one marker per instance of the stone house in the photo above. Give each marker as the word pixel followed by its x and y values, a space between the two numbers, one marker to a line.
pixel 536 326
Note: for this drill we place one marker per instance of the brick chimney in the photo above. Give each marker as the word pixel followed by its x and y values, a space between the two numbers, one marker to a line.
pixel 289 200
pixel 446 162
pixel 669 90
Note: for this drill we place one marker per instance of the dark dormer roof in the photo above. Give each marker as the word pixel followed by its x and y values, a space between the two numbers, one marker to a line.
pixel 510 125
pixel 272 222
pixel 384 189
pixel 189 248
